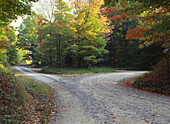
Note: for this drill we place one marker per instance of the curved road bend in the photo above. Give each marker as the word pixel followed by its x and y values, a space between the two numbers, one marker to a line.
pixel 100 99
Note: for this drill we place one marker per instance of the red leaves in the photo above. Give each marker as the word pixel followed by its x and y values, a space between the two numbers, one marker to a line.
pixel 112 10
pixel 39 23
pixel 114 13
pixel 146 121
pixel 125 6
pixel 135 33
pixel 40 110
pixel 40 42
pixel 134 17
pixel 148 22
pixel 114 117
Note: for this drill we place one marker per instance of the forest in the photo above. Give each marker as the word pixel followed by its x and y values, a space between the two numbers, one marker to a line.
pixel 83 34
pixel 120 34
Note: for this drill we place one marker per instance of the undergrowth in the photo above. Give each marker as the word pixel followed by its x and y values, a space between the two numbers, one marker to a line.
pixel 12 99
pixel 22 99
pixel 155 81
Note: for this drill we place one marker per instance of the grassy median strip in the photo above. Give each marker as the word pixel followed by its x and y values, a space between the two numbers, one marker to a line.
pixel 90 70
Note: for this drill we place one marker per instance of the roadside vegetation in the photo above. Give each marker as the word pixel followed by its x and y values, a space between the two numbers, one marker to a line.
pixel 90 70
pixel 23 100
pixel 155 81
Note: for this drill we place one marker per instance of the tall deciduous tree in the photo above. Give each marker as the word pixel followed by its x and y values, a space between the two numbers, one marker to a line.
pixel 47 9
pixel 89 28
pixel 57 33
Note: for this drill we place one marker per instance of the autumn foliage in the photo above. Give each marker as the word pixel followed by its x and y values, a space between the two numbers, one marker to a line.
pixel 155 81
pixel 115 13
pixel 135 33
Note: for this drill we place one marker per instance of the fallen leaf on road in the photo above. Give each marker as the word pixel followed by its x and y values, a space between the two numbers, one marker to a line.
pixel 146 121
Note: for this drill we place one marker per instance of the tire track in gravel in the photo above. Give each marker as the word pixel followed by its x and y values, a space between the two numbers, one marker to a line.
pixel 100 99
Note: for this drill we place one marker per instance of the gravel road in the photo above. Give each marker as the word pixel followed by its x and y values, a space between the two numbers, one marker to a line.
pixel 100 99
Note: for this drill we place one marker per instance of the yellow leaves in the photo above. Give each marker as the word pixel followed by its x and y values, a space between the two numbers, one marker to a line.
pixel 67 25
pixel 153 22
pixel 140 22
pixel 89 34
pixel 141 46
pixel 160 38
pixel 73 29
pixel 1 66
pixel 80 21
pixel 144 13
pixel 2 50
pixel 28 61
pixel 148 43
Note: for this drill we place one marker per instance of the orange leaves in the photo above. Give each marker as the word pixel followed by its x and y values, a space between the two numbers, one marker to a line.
pixel 135 33
pixel 59 25
pixel 119 17
pixel 121 21
pixel 112 10
pixel 134 17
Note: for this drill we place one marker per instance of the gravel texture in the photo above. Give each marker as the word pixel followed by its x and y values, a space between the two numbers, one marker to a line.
pixel 100 99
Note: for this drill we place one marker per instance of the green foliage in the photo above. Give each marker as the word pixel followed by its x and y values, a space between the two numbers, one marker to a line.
pixel 125 53
pixel 77 37
pixel 56 35
pixel 10 9
pixel 90 70
pixel 28 32
pixel 146 3
pixel 28 37
pixel 12 51
pixel 8 48
pixel 110 3
pixel 88 43
pixel 12 99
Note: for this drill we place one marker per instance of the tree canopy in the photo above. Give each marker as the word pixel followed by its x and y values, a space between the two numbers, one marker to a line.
pixel 10 9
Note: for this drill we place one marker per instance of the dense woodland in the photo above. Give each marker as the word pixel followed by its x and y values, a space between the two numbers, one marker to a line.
pixel 84 34
pixel 128 34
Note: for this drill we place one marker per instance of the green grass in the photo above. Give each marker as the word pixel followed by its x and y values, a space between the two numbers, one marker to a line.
pixel 90 70
pixel 35 88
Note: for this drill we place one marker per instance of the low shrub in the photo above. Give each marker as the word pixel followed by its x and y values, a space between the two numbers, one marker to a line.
pixel 19 96
pixel 155 81
pixel 12 99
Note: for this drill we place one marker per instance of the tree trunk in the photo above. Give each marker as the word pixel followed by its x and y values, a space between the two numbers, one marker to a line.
pixel 50 64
